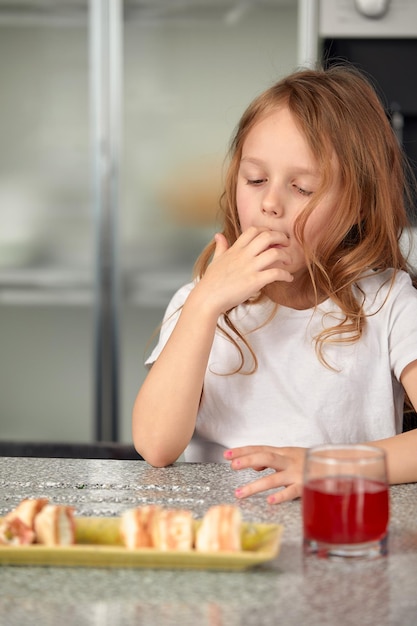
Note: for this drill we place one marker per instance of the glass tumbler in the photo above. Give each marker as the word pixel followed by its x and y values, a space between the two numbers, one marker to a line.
pixel 345 501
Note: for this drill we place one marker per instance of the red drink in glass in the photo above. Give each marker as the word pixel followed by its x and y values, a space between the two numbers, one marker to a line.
pixel 345 510
pixel 345 501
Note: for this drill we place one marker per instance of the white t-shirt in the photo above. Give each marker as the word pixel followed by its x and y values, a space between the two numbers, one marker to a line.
pixel 293 399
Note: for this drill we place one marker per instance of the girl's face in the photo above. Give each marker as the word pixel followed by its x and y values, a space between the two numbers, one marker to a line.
pixel 278 176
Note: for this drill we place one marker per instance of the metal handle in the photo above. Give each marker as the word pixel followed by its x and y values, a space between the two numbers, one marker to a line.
pixel 106 25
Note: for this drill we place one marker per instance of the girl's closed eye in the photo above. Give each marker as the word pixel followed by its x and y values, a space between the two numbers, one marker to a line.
pixel 255 181
pixel 303 192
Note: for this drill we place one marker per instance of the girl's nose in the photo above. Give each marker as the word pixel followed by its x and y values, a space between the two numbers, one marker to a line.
pixel 272 206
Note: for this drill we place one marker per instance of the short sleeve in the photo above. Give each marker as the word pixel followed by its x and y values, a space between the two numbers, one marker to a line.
pixel 169 321
pixel 403 324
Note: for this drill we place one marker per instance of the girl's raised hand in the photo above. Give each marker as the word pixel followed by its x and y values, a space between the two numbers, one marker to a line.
pixel 288 464
pixel 236 273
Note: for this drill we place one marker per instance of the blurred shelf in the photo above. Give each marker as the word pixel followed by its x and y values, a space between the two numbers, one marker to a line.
pixel 45 286
pixel 60 287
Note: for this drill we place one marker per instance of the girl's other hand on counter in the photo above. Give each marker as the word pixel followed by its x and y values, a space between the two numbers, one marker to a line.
pixel 288 464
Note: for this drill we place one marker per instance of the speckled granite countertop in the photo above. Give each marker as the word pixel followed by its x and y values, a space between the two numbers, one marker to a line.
pixel 289 591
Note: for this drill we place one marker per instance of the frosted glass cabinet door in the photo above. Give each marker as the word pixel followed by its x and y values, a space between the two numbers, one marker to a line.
pixel 46 236
pixel 190 69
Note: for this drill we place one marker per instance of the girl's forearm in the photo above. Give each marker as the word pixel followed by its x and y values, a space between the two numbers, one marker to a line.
pixel 166 406
pixel 401 457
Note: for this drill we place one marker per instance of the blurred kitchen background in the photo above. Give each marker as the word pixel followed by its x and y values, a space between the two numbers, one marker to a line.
pixel 115 120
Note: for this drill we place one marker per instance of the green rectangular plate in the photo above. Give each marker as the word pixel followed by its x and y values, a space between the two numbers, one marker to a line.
pixel 99 545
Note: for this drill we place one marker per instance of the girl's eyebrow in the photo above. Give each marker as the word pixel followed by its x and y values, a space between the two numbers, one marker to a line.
pixel 299 169
pixel 251 160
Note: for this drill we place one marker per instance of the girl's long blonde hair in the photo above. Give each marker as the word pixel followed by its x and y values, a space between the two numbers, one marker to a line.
pixel 338 110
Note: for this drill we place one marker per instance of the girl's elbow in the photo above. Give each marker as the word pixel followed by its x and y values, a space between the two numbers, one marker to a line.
pixel 155 457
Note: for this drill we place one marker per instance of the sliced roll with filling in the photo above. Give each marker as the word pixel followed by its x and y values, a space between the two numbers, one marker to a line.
pixel 172 529
pixel 55 525
pixel 14 532
pixel 220 530
pixel 136 526
pixel 27 510
pixel 17 527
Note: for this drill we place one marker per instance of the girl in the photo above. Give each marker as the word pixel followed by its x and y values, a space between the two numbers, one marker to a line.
pixel 300 327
